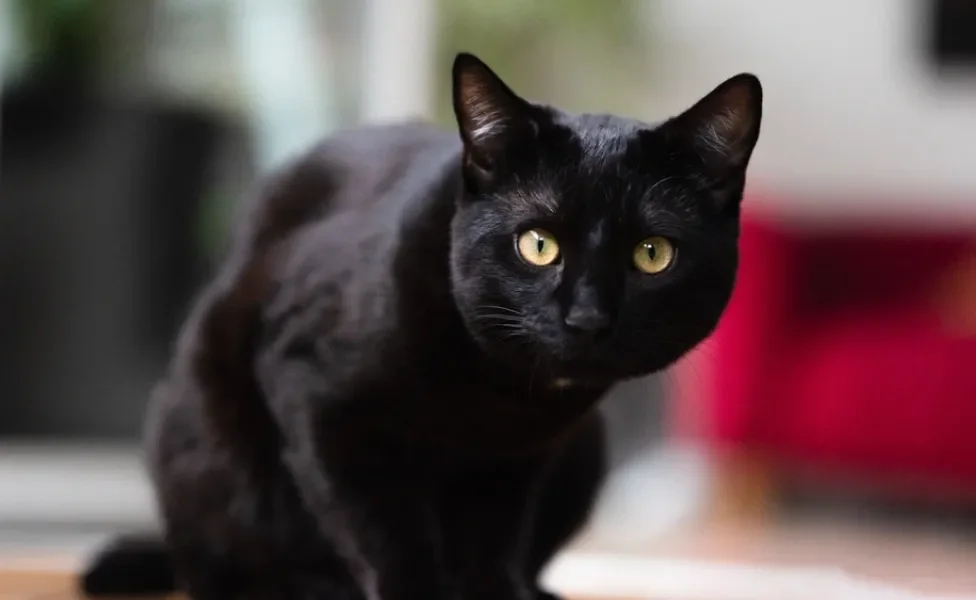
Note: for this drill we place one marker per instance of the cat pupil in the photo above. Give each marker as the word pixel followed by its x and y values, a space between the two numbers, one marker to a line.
pixel 651 251
pixel 540 245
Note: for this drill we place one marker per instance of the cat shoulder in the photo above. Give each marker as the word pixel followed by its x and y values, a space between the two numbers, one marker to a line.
pixel 347 169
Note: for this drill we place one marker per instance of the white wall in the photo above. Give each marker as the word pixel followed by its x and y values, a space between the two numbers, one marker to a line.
pixel 398 70
pixel 852 117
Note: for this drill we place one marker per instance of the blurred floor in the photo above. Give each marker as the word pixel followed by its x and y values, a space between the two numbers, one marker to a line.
pixel 671 555
pixel 785 564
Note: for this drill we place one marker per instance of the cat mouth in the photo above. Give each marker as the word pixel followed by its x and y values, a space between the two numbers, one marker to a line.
pixel 578 383
pixel 585 369
pixel 582 351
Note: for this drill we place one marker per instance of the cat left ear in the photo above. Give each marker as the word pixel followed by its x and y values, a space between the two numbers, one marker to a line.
pixel 490 116
pixel 724 125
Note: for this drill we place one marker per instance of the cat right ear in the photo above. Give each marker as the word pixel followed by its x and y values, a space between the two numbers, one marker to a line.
pixel 724 125
pixel 490 116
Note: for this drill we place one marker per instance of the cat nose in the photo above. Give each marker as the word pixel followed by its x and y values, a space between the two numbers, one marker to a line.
pixel 588 319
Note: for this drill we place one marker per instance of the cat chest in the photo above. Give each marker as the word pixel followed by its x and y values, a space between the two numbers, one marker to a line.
pixel 478 420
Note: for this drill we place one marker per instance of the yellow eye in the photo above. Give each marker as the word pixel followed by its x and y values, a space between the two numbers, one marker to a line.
pixel 653 255
pixel 538 247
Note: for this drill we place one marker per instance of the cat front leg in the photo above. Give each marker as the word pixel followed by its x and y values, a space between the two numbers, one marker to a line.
pixel 487 520
pixel 389 537
pixel 379 519
pixel 383 527
pixel 521 514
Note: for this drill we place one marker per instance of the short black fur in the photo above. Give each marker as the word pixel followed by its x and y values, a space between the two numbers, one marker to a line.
pixel 379 398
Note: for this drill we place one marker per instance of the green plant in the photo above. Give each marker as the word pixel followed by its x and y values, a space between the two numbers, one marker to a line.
pixel 62 37
pixel 539 45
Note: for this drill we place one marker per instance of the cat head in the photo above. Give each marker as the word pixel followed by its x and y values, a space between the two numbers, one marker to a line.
pixel 591 247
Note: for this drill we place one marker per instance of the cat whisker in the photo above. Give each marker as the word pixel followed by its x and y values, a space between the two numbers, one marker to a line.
pixel 504 326
pixel 659 183
pixel 497 307
pixel 497 317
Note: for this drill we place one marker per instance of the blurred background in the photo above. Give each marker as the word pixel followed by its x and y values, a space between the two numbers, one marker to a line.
pixel 831 421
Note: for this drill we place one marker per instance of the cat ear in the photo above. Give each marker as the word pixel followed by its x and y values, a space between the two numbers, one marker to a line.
pixel 490 116
pixel 723 127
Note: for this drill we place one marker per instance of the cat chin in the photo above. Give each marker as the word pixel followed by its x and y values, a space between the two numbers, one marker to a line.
pixel 569 370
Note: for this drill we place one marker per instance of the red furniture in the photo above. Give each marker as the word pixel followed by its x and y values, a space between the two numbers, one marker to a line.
pixel 846 353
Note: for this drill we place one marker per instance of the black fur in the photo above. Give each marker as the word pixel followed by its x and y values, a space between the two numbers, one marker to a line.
pixel 130 563
pixel 378 398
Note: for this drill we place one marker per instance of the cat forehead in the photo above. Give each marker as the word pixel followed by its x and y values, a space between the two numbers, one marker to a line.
pixel 597 146
pixel 600 123
pixel 594 165
pixel 578 194
pixel 603 132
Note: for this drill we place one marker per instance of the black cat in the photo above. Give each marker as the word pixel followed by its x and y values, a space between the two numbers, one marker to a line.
pixel 389 390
